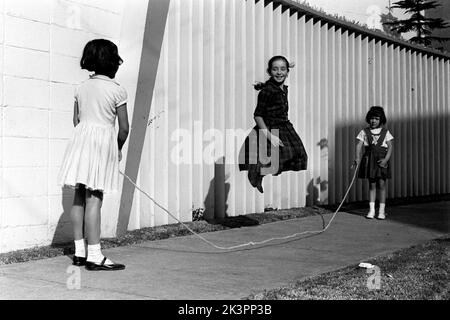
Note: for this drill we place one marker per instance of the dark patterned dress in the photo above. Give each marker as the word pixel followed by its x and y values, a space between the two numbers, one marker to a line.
pixel 273 107
pixel 369 168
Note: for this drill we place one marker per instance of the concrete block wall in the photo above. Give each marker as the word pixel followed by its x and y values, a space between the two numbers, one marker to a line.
pixel 41 42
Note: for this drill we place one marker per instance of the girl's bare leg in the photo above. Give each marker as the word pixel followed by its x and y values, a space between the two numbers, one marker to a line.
pixel 382 188
pixel 94 200
pixel 372 198
pixel 372 191
pixel 92 219
pixel 77 212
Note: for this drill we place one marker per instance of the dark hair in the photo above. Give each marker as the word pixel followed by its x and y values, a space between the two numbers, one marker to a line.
pixel 275 58
pixel 259 85
pixel 102 57
pixel 376 111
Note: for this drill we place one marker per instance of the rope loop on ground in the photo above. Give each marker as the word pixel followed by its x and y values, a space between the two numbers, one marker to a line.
pixel 251 243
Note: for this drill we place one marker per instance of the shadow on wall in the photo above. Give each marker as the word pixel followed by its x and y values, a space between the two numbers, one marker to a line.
pixel 63 233
pixel 216 200
pixel 419 166
pixel 313 192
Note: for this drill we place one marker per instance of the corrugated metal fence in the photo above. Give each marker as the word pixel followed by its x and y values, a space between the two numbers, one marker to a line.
pixel 214 50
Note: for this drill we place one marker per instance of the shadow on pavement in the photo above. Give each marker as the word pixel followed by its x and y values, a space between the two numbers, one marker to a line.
pixel 424 212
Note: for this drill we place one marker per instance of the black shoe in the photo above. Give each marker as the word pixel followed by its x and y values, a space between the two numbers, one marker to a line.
pixel 259 184
pixel 260 188
pixel 79 261
pixel 253 178
pixel 92 266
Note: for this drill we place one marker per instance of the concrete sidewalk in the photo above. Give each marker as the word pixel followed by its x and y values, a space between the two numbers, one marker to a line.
pixel 188 268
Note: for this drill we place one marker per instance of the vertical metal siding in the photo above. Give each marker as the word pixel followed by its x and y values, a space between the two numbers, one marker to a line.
pixel 214 50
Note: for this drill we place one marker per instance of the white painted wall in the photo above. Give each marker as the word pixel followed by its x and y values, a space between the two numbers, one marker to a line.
pixel 41 42
pixel 212 53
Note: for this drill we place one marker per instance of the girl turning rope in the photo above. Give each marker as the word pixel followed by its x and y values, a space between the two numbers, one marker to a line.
pixel 374 164
pixel 91 161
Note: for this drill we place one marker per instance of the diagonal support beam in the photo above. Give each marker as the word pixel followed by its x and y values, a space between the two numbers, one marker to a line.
pixel 153 37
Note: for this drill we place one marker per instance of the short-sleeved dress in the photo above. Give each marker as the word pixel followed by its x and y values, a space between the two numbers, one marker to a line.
pixel 273 107
pixel 375 149
pixel 92 155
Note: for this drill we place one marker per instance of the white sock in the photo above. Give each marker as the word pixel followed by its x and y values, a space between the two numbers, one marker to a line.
pixel 95 254
pixel 372 206
pixel 382 206
pixel 80 249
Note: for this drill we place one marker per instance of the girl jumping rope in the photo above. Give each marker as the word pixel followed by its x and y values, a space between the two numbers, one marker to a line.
pixel 374 164
pixel 91 161
pixel 273 130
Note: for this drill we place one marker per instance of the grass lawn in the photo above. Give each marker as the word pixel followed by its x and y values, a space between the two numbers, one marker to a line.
pixel 164 232
pixel 421 272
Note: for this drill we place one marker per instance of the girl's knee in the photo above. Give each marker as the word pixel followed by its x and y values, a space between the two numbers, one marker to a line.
pixel 80 189
pixel 94 195
pixel 80 195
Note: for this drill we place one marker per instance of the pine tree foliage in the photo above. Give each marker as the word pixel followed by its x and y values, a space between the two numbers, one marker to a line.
pixel 418 22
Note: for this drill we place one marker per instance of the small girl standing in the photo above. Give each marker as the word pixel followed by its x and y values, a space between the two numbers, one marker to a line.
pixel 274 136
pixel 91 161
pixel 374 164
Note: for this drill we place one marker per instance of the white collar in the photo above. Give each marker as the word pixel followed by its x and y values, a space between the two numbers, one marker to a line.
pixel 102 77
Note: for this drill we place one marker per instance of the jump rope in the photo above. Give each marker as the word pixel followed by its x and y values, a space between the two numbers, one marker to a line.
pixel 251 243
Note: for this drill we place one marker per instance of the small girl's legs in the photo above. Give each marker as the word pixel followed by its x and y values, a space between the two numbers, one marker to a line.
pixel 382 189
pixel 372 198
pixel 77 218
pixel 94 201
pixel 95 258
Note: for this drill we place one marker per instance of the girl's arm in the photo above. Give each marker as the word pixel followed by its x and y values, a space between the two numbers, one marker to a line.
pixel 124 127
pixel 390 145
pixel 273 138
pixel 261 110
pixel 359 145
pixel 390 148
pixel 76 120
pixel 384 161
pixel 261 125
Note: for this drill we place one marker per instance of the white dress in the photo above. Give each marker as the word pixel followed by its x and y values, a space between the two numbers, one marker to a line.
pixel 92 155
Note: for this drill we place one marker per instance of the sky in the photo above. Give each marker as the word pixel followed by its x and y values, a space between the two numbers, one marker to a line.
pixel 364 11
